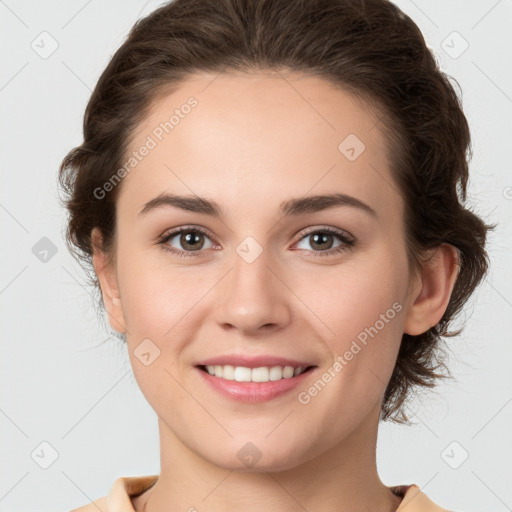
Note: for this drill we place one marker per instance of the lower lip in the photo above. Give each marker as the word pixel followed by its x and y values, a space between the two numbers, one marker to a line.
pixel 253 392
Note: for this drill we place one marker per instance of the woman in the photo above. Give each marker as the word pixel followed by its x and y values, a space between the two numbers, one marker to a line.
pixel 225 143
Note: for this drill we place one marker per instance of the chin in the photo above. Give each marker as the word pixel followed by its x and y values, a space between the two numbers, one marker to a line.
pixel 258 456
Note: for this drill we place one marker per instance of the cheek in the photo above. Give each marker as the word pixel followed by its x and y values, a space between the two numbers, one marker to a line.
pixel 155 297
pixel 158 304
pixel 351 297
pixel 361 309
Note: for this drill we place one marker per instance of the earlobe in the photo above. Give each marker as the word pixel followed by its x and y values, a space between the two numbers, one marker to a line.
pixel 108 282
pixel 429 300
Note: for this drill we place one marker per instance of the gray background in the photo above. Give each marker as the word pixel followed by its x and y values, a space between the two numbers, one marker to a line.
pixel 61 386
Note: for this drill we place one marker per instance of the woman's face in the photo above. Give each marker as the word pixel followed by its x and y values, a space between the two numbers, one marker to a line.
pixel 278 272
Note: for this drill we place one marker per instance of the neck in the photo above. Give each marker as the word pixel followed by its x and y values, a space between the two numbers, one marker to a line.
pixel 343 478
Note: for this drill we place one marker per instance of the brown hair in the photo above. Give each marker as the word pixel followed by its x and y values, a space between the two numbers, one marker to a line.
pixel 371 49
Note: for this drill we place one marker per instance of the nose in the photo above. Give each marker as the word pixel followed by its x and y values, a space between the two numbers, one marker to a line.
pixel 253 297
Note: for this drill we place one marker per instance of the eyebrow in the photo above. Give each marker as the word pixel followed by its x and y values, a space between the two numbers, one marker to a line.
pixel 291 207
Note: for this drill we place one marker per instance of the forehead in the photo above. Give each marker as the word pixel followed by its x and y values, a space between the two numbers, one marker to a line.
pixel 253 137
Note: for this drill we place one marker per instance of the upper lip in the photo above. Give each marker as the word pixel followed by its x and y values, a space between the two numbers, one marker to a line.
pixel 253 361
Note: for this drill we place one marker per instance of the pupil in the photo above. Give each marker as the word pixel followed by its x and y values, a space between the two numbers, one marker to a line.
pixel 322 236
pixel 189 239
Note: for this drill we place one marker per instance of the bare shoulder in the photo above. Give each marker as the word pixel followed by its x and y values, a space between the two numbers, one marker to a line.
pixel 97 505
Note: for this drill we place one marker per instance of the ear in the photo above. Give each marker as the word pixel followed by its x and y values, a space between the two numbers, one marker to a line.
pixel 431 295
pixel 106 274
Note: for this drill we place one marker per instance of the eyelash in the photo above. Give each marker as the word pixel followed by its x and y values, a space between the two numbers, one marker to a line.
pixel 347 243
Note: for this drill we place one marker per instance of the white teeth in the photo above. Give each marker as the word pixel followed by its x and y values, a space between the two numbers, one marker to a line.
pixel 241 374
pixel 288 372
pixel 228 372
pixel 276 373
pixel 261 374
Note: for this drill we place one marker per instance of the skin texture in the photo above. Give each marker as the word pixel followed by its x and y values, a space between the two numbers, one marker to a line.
pixel 253 141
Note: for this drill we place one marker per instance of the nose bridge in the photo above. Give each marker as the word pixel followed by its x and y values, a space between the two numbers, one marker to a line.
pixel 251 268
pixel 250 276
pixel 252 296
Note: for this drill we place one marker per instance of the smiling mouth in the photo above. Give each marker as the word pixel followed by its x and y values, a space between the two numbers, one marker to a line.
pixel 255 375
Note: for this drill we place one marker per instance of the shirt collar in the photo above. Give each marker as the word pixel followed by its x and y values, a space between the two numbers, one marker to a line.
pixel 125 488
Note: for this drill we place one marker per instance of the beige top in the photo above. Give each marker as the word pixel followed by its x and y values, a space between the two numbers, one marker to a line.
pixel 125 488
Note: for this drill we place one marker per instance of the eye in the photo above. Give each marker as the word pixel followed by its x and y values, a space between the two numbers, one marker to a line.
pixel 322 239
pixel 190 238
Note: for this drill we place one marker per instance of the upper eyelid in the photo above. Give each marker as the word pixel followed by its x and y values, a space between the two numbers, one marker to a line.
pixel 329 229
